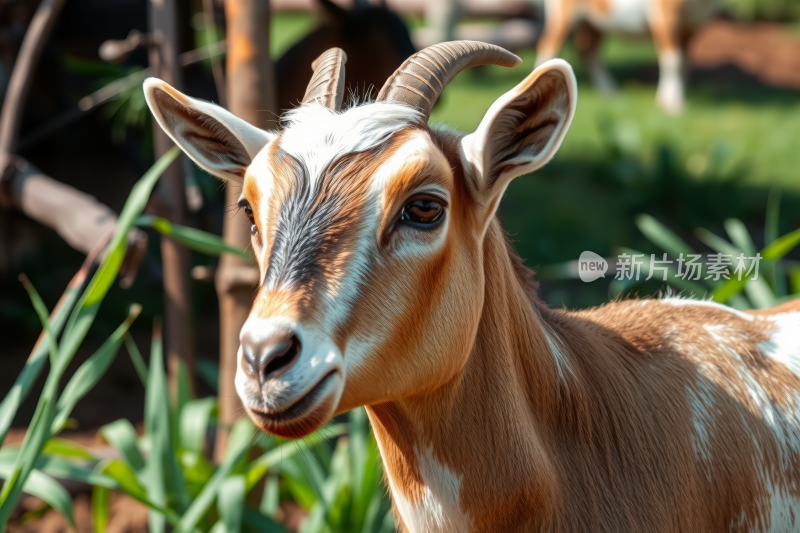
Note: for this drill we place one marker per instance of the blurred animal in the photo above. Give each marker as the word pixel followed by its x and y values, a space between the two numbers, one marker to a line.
pixel 374 38
pixel 387 281
pixel 670 23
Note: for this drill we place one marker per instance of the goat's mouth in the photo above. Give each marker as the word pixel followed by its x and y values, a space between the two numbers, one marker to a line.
pixel 304 415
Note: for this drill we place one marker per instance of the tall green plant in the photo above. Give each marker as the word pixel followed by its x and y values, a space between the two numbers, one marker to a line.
pixel 769 289
pixel 52 409
pixel 342 491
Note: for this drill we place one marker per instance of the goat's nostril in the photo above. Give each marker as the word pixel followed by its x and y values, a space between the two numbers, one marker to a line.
pixel 280 356
pixel 264 357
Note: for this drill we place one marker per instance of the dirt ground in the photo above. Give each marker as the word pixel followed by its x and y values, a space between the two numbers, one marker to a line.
pixel 767 52
pixel 127 516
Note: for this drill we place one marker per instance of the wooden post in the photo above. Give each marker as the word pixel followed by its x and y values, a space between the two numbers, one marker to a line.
pixel 251 96
pixel 171 199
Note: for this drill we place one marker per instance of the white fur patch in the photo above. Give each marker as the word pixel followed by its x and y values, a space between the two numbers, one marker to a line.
pixel 439 511
pixel 745 384
pixel 702 404
pixel 784 510
pixel 783 422
pixel 783 515
pixel 784 343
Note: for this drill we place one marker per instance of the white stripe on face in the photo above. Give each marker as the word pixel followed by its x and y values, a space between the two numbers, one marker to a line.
pixel 315 135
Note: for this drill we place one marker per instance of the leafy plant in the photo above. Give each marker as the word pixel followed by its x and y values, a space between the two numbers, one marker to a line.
pixel 53 410
pixel 127 108
pixel 768 289
pixel 342 491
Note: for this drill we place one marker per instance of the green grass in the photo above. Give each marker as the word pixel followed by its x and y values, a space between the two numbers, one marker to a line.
pixel 758 130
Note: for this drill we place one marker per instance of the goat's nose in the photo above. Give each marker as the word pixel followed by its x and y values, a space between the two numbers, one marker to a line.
pixel 264 357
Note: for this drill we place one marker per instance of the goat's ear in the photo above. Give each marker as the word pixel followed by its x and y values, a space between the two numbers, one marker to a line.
pixel 522 130
pixel 215 139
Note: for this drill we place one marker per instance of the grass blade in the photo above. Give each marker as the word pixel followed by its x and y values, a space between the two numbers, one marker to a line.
pixel 194 422
pixel 715 242
pixel 257 468
pixel 662 236
pixel 136 358
pixel 231 503
pixel 43 486
pixel 358 457
pixel 101 508
pixel 64 469
pixel 774 272
pixel 210 490
pixel 125 478
pixel 67 448
pixel 46 488
pixel 34 440
pixel 781 246
pixel 41 312
pixel 33 366
pixel 128 483
pixel 122 436
pixel 270 498
pixel 194 239
pixel 90 372
pixel 739 236
pixel 157 429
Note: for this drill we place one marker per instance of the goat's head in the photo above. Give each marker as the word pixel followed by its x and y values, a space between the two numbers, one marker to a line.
pixel 368 227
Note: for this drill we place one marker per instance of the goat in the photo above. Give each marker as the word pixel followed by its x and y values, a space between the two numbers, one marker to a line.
pixel 387 282
pixel 670 22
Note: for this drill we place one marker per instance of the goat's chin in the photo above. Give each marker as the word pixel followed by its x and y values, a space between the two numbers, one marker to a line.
pixel 304 416
pixel 297 428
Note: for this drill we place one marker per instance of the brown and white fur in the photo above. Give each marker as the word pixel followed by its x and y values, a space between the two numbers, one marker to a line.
pixel 492 411
pixel 670 23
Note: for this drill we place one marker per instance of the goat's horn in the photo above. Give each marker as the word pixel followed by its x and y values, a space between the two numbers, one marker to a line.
pixel 421 78
pixel 327 83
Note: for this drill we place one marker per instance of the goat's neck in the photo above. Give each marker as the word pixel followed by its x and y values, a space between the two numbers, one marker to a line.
pixel 483 428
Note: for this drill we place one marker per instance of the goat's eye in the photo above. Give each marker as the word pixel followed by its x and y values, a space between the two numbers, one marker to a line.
pixel 423 211
pixel 248 211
